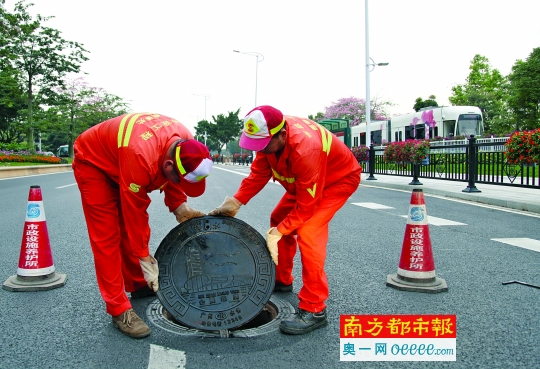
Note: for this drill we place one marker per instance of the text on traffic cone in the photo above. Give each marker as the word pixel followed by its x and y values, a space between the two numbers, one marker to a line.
pixel 416 270
pixel 36 269
pixel 36 255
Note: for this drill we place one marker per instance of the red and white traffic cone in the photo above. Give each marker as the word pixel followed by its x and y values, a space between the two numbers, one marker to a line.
pixel 416 270
pixel 36 270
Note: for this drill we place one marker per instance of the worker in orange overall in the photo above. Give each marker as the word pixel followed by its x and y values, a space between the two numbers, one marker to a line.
pixel 116 164
pixel 319 173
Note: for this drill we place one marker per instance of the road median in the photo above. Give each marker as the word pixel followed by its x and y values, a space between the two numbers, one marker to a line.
pixel 11 172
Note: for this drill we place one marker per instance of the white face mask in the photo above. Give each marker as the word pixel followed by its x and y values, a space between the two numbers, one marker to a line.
pixel 202 171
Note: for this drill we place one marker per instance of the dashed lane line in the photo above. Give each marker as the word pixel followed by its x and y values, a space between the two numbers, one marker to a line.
pixel 372 205
pixel 232 171
pixel 440 221
pixel 431 219
pixel 242 174
pixel 467 202
pixel 525 243
pixel 69 185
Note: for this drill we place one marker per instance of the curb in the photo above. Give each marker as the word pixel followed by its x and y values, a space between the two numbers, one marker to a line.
pixel 13 172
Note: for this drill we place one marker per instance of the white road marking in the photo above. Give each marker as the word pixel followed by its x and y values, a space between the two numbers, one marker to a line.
pixel 487 206
pixel 468 202
pixel 232 171
pixel 69 185
pixel 440 221
pixel 242 174
pixel 371 205
pixel 526 243
pixel 431 219
pixel 166 358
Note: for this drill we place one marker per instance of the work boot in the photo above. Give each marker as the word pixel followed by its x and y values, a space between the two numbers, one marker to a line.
pixel 142 292
pixel 279 287
pixel 303 322
pixel 130 324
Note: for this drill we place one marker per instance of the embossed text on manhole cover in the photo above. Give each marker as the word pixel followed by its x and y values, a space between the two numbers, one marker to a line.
pixel 214 273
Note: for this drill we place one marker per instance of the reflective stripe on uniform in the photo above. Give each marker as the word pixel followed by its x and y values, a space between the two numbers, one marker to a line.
pixel 124 131
pixel 282 178
pixel 326 137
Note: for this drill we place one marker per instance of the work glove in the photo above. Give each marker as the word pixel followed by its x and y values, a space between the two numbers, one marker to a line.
pixel 185 212
pixel 229 208
pixel 271 243
pixel 151 273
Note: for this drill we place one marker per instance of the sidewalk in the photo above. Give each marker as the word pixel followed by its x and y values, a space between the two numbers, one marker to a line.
pixel 519 198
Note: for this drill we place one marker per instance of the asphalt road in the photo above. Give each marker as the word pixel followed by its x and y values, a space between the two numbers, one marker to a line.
pixel 498 326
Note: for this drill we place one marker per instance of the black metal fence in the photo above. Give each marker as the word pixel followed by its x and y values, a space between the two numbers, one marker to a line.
pixel 234 160
pixel 472 162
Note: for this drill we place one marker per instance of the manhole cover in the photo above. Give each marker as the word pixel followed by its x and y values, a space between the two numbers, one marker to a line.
pixel 215 273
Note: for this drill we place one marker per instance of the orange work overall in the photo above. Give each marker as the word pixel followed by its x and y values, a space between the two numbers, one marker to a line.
pixel 319 173
pixel 116 164
pixel 311 238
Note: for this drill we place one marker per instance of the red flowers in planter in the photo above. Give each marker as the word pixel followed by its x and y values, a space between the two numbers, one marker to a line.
pixel 523 147
pixel 11 158
pixel 413 151
pixel 361 153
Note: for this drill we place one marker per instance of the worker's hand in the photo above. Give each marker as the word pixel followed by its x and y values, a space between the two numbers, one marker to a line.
pixel 272 238
pixel 151 272
pixel 229 208
pixel 185 212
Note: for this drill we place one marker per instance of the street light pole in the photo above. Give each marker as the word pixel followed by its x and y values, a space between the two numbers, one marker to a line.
pixel 257 55
pixel 368 103
pixel 206 97
pixel 205 136
pixel 370 65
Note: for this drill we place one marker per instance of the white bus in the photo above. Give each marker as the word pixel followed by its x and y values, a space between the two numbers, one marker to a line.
pixel 442 121
pixel 62 151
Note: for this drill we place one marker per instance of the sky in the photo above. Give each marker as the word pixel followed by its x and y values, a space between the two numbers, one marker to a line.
pixel 164 56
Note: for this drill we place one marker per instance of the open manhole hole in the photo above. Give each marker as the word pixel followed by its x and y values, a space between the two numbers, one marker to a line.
pixel 266 321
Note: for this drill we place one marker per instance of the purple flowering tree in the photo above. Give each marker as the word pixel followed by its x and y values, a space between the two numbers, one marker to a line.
pixel 354 109
pixel 80 106
pixel 427 118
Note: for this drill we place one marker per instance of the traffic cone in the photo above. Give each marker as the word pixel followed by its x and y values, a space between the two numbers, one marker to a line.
pixel 416 270
pixel 36 270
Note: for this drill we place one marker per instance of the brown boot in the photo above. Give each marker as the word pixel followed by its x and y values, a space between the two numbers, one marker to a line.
pixel 130 324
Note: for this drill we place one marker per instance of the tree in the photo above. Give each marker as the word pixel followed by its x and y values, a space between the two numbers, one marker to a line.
pixel 487 89
pixel 419 103
pixel 354 110
pixel 11 102
pixel 224 130
pixel 316 118
pixel 234 148
pixel 40 54
pixel 11 92
pixel 524 98
pixel 80 106
pixel 206 133
pixel 54 140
